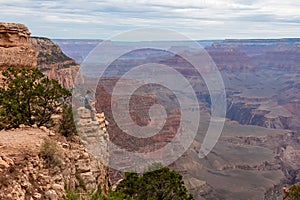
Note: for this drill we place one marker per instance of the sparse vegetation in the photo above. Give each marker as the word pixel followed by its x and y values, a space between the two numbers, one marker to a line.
pixel 67 125
pixel 293 193
pixel 161 184
pixel 28 97
pixel 49 153
pixel 93 195
pixel 81 183
pixel 71 194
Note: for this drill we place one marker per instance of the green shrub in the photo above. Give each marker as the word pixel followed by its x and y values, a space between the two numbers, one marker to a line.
pixel 28 97
pixel 71 194
pixel 49 154
pixel 293 193
pixel 67 125
pixel 81 183
pixel 162 183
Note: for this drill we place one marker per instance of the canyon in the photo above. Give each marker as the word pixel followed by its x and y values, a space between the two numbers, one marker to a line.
pixel 18 49
pixel 36 162
pixel 258 151
pixel 255 157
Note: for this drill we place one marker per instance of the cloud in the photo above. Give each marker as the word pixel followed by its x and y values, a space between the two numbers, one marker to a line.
pixel 200 19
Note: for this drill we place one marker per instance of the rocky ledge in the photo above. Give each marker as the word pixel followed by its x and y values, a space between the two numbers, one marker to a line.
pixel 18 49
pixel 36 163
pixel 15 49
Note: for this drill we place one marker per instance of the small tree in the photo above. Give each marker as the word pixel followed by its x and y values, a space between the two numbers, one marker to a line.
pixel 28 97
pixel 67 125
pixel 162 184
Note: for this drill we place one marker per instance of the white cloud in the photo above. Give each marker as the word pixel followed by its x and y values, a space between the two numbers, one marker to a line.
pixel 202 19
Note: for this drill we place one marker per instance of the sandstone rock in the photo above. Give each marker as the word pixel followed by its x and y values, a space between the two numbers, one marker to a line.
pixel 45 129
pixel 58 187
pixel 51 195
pixel 22 126
pixel 7 160
pixel 15 49
pixel 37 195
pixel 3 164
pixel 82 165
pixel 65 145
pixel 85 155
pixel 13 34
pixel 51 133
pixel 84 113
pixel 31 175
pixel 58 177
pixel 54 63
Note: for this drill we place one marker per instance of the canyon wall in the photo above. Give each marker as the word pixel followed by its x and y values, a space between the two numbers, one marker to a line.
pixel 53 62
pixel 28 173
pixel 18 49
pixel 25 171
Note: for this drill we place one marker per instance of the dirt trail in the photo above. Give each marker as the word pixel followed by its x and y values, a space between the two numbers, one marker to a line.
pixel 19 141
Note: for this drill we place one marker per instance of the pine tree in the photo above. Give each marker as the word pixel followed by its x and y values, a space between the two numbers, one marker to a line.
pixel 160 184
pixel 28 97
pixel 67 125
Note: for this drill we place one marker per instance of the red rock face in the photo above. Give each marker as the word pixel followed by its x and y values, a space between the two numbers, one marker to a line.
pixel 54 63
pixel 231 60
pixel 282 59
pixel 17 49
pixel 139 111
pixel 283 54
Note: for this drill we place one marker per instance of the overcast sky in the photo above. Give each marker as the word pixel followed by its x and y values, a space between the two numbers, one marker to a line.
pixel 198 19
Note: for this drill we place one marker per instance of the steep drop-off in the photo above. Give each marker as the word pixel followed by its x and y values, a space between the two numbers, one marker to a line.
pixel 18 49
pixel 53 62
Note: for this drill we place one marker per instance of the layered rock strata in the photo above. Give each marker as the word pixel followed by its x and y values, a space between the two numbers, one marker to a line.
pixel 94 137
pixel 15 48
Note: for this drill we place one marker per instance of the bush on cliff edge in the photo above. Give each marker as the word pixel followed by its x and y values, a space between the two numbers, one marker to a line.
pixel 28 97
pixel 159 182
pixel 67 125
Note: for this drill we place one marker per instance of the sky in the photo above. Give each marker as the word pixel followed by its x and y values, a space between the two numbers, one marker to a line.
pixel 197 19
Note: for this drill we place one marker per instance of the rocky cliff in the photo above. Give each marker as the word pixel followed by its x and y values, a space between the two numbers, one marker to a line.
pixel 36 163
pixel 18 49
pixel 53 62
pixel 15 48
pixel 27 173
pixel 282 54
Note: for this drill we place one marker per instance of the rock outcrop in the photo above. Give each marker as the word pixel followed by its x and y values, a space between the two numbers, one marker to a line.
pixel 18 49
pixel 26 173
pixel 53 62
pixel 254 114
pixel 93 134
pixel 15 48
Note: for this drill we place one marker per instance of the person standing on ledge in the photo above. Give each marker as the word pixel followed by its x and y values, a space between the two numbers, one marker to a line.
pixel 87 104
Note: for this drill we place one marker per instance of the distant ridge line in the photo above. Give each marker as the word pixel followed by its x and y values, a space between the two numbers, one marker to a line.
pixel 262 40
